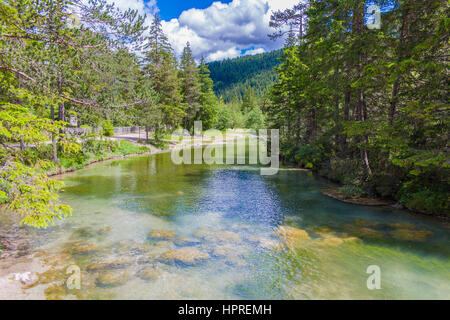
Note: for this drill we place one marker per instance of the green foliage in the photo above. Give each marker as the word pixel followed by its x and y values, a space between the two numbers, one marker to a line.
pixel 422 193
pixel 208 112
pixel 233 77
pixel 94 149
pixel 126 148
pixel 428 201
pixel 29 192
pixel 255 119
pixel 311 156
pixel 225 118
pixel 51 68
pixel 108 128
pixel 351 191
pixel 24 186
pixel 368 107
pixel 190 87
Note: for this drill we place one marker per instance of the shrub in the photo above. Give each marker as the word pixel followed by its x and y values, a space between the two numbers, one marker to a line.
pixel 351 191
pixel 225 118
pixel 255 119
pixel 108 128
pixel 434 199
pixel 311 156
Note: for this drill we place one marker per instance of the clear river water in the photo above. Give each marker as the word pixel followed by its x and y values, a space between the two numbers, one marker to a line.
pixel 144 228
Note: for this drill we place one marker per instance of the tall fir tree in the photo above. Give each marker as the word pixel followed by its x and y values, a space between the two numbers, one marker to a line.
pixel 208 101
pixel 162 71
pixel 190 86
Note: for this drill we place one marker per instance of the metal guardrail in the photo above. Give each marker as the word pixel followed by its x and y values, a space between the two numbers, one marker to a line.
pixel 127 130
pixel 117 130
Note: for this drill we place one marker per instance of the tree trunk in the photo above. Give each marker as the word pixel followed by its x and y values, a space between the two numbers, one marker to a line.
pixel 61 116
pixel 404 33
pixel 361 109
pixel 393 107
pixel 364 154
pixel 55 151
pixel 22 145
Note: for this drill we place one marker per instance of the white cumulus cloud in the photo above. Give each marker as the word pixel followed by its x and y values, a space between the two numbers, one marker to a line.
pixel 226 30
pixel 148 7
pixel 254 51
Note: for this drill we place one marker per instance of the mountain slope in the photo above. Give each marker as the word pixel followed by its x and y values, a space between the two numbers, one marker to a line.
pixel 232 77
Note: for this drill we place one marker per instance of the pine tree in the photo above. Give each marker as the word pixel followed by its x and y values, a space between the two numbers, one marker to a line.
pixel 190 86
pixel 208 101
pixel 368 99
pixel 249 101
pixel 162 71
pixel 47 66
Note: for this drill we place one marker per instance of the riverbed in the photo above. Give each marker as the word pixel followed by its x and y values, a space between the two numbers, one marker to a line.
pixel 144 228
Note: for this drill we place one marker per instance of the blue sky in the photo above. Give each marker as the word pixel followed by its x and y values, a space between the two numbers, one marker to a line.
pixel 169 9
pixel 216 29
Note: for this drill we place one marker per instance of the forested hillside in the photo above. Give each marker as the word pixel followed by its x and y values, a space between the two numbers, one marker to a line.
pixel 367 105
pixel 232 77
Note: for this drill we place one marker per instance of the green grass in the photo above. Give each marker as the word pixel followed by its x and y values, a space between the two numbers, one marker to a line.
pixel 159 145
pixel 101 152
pixel 126 148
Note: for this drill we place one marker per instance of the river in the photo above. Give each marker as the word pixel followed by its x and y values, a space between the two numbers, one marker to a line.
pixel 143 228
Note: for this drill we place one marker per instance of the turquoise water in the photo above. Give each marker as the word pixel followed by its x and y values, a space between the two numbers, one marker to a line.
pixel 230 216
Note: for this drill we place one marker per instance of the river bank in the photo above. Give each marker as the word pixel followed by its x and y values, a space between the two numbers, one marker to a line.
pixel 61 170
pixel 332 191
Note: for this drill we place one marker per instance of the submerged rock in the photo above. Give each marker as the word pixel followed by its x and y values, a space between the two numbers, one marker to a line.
pixel 162 234
pixel 14 244
pixel 52 275
pixel 217 236
pixel 292 237
pixel 59 259
pixel 365 233
pixel 236 261
pixel 351 239
pixel 401 225
pixel 364 223
pixel 331 240
pixel 324 231
pixel 411 235
pixel 187 241
pixel 55 292
pixel 227 236
pixel 155 251
pixel 334 242
pixel 83 233
pixel 270 244
pixel 104 230
pixel 224 251
pixel 130 247
pixel 81 247
pixel 148 273
pixel 187 255
pixel 111 264
pixel 202 233
pixel 112 279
